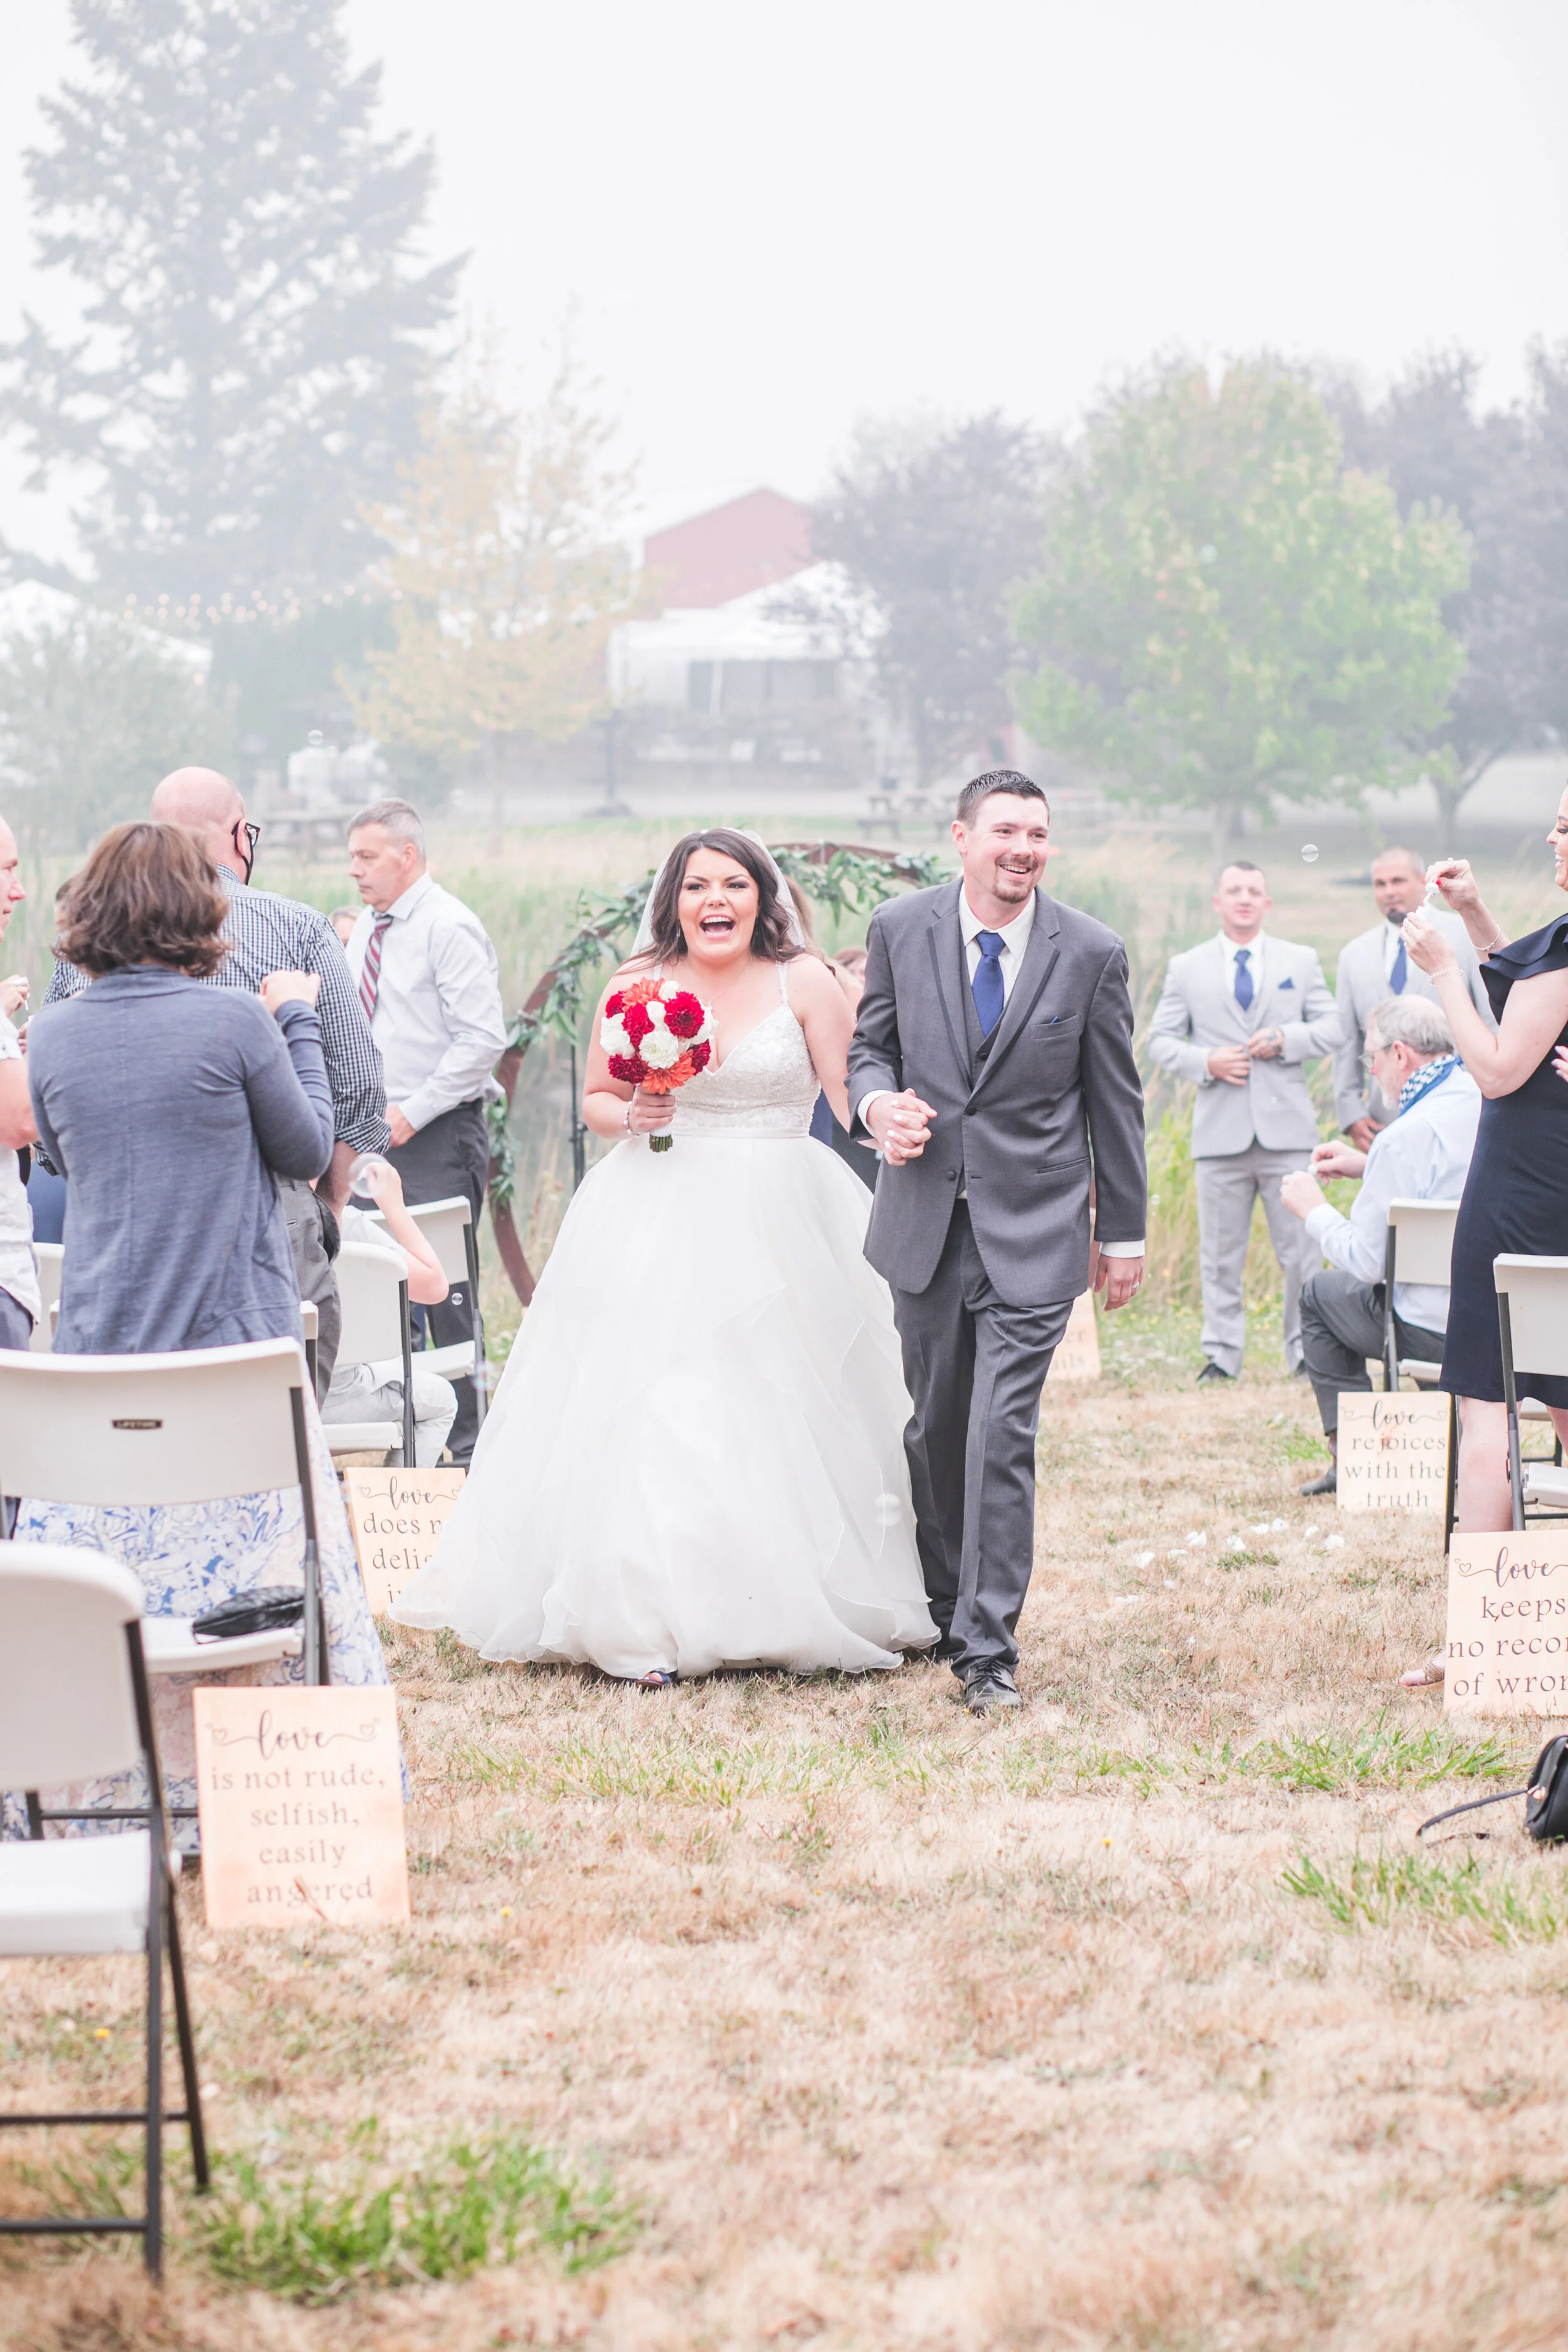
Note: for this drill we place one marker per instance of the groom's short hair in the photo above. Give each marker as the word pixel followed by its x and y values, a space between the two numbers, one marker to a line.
pixel 997 780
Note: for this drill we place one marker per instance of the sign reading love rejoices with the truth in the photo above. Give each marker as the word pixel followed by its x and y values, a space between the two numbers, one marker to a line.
pixel 301 1796
pixel 1078 1352
pixel 1393 1452
pixel 397 1517
pixel 1506 1650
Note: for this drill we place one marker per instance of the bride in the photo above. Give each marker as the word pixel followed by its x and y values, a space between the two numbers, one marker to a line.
pixel 695 1455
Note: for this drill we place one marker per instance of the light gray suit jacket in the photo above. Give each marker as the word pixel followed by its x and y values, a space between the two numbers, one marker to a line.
pixel 1361 985
pixel 1024 1118
pixel 1198 1011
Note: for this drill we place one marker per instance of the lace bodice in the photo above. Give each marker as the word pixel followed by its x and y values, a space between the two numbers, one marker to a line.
pixel 766 1086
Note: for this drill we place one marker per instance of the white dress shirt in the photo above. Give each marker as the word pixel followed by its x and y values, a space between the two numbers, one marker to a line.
pixel 1015 938
pixel 1424 1155
pixel 19 1266
pixel 438 1024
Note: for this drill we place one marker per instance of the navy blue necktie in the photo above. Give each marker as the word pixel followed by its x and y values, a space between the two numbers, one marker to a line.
pixel 1244 989
pixel 989 994
pixel 1400 971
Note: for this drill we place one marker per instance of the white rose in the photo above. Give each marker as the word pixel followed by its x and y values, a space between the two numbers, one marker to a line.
pixel 613 1035
pixel 660 1051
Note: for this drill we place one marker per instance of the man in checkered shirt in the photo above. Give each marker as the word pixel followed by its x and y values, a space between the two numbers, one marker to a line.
pixel 267 933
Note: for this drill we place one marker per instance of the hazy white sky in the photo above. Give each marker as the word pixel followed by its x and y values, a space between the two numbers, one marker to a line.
pixel 773 219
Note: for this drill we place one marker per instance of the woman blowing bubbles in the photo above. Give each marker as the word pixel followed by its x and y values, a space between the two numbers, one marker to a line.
pixel 1516 1198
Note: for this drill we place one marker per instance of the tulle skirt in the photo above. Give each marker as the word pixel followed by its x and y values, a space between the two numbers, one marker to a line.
pixel 694 1458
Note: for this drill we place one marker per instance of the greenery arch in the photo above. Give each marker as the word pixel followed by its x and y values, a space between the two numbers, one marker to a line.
pixel 846 876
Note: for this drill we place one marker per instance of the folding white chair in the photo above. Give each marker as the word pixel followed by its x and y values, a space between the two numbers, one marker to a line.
pixel 448 1227
pixel 310 1320
pixel 51 1258
pixel 1532 1324
pixel 195 1427
pixel 73 1705
pixel 374 1302
pixel 1420 1248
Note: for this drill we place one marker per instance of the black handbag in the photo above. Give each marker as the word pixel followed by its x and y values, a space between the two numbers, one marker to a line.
pixel 1545 1799
pixel 262 1611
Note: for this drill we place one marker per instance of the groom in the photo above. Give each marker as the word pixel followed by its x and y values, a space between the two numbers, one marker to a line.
pixel 992 1065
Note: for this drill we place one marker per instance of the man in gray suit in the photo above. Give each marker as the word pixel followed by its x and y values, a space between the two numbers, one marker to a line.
pixel 1375 967
pixel 993 1064
pixel 1239 1017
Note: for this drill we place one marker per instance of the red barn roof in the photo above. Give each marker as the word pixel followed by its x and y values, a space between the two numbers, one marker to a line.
pixel 750 542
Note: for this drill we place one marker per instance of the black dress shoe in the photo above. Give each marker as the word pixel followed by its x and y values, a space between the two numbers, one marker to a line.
pixel 990 1690
pixel 1328 1484
pixel 1212 1372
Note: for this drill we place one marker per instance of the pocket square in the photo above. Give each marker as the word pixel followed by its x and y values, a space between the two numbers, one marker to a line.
pixel 1286 983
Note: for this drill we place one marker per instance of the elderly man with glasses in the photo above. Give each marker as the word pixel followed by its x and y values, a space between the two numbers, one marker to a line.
pixel 267 933
pixel 1422 1154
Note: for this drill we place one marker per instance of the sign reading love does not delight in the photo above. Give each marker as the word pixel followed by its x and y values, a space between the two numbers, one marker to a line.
pixel 1506 1650
pixel 397 1517
pixel 1393 1452
pixel 301 1796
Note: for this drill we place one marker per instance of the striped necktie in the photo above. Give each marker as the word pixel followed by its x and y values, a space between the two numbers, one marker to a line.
pixel 370 978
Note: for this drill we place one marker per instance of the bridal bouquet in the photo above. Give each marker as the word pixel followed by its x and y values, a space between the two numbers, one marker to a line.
pixel 656 1036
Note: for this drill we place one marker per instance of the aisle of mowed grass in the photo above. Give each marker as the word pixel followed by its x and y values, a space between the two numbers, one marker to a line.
pixel 760 2013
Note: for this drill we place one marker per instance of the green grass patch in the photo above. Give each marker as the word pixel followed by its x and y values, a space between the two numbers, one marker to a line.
pixel 470 2204
pixel 1378 1891
pixel 1388 1754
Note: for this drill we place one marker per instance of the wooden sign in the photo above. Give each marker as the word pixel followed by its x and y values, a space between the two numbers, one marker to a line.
pixel 1393 1452
pixel 1077 1350
pixel 1506 1650
pixel 397 1517
pixel 300 1797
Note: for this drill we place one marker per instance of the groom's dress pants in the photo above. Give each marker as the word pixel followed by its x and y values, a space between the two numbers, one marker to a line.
pixel 975 1368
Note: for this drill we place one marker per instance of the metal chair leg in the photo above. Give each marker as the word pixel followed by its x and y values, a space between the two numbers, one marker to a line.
pixel 152 2232
pixel 187 2040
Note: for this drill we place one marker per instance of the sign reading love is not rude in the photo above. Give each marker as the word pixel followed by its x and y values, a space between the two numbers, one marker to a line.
pixel 1506 1650
pixel 1393 1452
pixel 300 1797
pixel 397 1517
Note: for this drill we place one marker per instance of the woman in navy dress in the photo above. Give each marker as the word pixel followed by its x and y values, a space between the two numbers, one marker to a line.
pixel 1516 1196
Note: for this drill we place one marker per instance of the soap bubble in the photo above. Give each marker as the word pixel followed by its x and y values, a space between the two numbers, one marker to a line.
pixel 1308 853
pixel 368 1173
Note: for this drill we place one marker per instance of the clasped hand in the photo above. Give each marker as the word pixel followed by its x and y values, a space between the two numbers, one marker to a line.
pixel 899 1125
pixel 1233 1064
pixel 649 1114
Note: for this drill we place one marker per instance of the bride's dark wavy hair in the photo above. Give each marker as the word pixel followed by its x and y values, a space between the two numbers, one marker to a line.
pixel 771 938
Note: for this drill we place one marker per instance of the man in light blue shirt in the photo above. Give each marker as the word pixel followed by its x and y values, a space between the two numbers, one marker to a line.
pixel 1424 1154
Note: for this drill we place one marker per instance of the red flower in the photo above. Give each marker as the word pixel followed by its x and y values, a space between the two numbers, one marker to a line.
pixel 683 1013
pixel 635 1021
pixel 630 1074
pixel 700 1056
pixel 613 1005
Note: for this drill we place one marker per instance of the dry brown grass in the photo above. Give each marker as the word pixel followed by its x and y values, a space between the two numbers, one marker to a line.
pixel 903 2032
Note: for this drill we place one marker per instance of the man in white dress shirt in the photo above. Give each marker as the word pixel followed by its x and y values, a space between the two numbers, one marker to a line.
pixel 1238 1018
pixel 429 982
pixel 1422 1154
pixel 1374 966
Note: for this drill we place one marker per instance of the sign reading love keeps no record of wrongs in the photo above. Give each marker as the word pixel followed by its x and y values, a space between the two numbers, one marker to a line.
pixel 1507 1652
pixel 1393 1452
pixel 301 1796
pixel 1077 1354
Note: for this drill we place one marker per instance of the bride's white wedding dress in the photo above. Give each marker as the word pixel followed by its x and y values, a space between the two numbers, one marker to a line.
pixel 695 1458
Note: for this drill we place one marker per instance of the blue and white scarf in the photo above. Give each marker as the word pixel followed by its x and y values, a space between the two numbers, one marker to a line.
pixel 1421 1081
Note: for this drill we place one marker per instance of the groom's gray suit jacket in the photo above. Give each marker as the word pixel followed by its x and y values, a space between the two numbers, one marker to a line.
pixel 1024 1118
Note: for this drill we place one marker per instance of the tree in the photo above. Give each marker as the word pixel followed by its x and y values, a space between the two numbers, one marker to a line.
pixel 254 345
pixel 93 710
pixel 1224 617
pixel 931 532
pixel 503 579
pixel 1505 475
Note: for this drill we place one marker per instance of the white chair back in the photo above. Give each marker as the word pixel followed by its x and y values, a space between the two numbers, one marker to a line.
pixel 1423 1240
pixel 1536 1289
pixel 66 1709
pixel 370 1291
pixel 51 1259
pixel 444 1224
pixel 190 1428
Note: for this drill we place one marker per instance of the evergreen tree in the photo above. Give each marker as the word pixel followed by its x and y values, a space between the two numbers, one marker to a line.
pixel 255 328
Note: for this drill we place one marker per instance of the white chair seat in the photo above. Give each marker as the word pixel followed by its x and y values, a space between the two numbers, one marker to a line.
pixel 171 1647
pixel 363 1437
pixel 1416 1368
pixel 1531 1409
pixel 62 1896
pixel 1546 1482
pixel 454 1362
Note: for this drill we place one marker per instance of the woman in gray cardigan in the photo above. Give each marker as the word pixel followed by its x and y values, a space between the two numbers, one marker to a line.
pixel 170 1105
